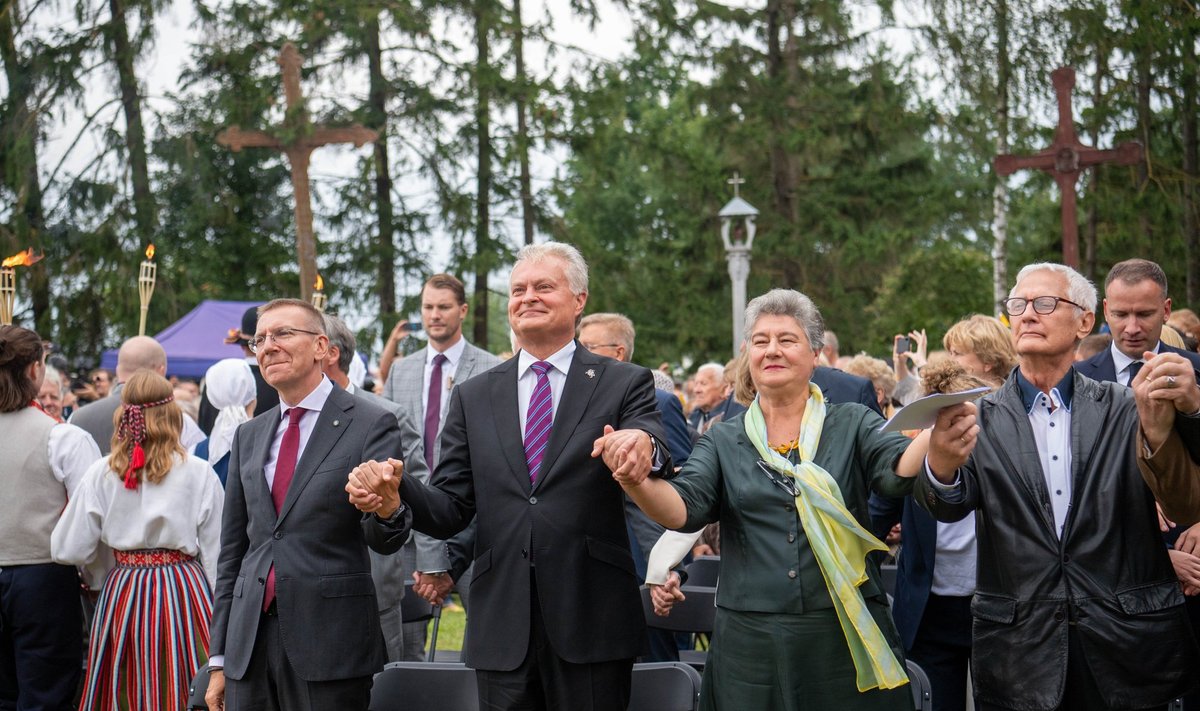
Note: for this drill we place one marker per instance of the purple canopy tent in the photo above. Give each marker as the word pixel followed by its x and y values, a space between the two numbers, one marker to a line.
pixel 196 341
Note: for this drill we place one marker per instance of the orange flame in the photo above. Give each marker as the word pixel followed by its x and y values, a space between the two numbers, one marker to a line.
pixel 22 259
pixel 320 285
pixel 150 251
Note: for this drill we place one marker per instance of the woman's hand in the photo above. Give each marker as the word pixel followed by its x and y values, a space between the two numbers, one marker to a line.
pixel 666 595
pixel 952 440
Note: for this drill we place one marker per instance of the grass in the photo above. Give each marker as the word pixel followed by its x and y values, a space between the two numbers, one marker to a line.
pixel 451 628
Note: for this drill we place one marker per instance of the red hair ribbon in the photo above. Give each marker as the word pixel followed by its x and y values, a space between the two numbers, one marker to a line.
pixel 133 427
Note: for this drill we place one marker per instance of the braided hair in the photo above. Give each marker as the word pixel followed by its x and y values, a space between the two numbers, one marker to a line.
pixel 146 430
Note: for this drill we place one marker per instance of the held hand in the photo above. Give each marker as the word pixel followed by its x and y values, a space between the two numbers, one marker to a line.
pixel 952 440
pixel 666 595
pixel 626 453
pixel 374 487
pixel 1187 568
pixel 215 696
pixel 433 588
pixel 1189 541
pixel 1174 379
pixel 1156 413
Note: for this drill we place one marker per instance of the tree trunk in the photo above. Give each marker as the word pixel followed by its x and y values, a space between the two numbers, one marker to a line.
pixel 135 136
pixel 527 213
pixel 1000 191
pixel 780 15
pixel 483 194
pixel 1191 165
pixel 385 246
pixel 21 144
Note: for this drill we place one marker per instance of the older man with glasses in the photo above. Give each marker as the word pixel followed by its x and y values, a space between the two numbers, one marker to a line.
pixel 1076 603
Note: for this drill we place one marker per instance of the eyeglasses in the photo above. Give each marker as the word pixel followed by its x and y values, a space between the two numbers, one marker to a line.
pixel 783 482
pixel 1043 305
pixel 594 346
pixel 279 337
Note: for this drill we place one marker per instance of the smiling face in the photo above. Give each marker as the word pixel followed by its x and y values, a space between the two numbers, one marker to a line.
pixel 442 316
pixel 291 365
pixel 50 398
pixel 1051 335
pixel 1135 313
pixel 781 357
pixel 542 311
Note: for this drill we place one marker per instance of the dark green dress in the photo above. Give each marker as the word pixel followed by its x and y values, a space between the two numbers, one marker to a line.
pixel 777 642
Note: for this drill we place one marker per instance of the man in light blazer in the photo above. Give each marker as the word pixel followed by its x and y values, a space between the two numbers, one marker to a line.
pixel 410 384
pixel 528 450
pixel 295 624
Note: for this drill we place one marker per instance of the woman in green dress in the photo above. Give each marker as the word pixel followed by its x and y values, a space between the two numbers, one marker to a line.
pixel 802 622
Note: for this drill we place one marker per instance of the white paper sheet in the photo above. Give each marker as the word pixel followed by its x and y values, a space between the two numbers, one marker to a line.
pixel 921 414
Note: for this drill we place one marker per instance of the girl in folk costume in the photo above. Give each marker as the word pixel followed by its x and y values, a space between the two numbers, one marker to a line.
pixel 159 512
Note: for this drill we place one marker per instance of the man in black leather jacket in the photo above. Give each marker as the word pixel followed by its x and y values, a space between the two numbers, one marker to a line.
pixel 1077 605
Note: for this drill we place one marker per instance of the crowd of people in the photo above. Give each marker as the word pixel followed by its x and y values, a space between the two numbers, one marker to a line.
pixel 266 524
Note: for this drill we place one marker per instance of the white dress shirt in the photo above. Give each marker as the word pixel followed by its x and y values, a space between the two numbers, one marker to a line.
pixel 527 379
pixel 314 402
pixel 449 368
pixel 1051 423
pixel 1121 362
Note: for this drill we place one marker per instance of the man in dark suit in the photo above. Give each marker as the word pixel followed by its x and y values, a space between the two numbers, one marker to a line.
pixel 556 619
pixel 295 624
pixel 837 386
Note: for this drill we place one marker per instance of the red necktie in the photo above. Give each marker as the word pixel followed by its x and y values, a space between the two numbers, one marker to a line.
pixel 285 467
pixel 433 409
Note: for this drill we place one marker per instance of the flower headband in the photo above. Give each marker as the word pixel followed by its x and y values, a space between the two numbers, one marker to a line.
pixel 133 427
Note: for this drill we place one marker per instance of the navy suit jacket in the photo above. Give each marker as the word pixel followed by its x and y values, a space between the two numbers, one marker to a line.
pixel 840 387
pixel 914 573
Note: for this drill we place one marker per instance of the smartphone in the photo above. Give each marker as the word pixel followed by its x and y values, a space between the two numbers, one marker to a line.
pixel 902 344
pixel 411 326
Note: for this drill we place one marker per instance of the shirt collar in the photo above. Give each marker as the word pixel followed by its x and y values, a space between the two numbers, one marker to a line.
pixel 1060 394
pixel 1122 361
pixel 314 401
pixel 560 360
pixel 453 353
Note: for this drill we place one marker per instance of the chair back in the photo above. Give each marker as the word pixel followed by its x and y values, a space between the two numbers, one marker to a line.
pixel 921 689
pixel 704 571
pixel 403 686
pixel 665 686
pixel 696 613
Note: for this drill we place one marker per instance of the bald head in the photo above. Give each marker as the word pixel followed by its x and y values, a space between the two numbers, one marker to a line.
pixel 140 353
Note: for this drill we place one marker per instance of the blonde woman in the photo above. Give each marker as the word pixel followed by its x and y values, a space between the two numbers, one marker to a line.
pixel 151 514
pixel 983 346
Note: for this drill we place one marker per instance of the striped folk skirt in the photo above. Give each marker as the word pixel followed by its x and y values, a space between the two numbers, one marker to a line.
pixel 150 633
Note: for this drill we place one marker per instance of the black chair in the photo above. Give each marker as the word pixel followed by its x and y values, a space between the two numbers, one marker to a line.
pixel 695 615
pixel 921 690
pixel 198 689
pixel 704 570
pixel 665 686
pixel 403 686
pixel 414 608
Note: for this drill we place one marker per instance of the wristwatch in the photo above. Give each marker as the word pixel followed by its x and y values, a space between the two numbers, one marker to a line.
pixel 396 516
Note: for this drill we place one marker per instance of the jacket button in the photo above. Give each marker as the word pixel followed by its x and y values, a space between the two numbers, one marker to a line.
pixel 524 553
pixel 789 507
pixel 1058 616
pixel 533 499
pixel 791 538
pixel 792 574
pixel 278 535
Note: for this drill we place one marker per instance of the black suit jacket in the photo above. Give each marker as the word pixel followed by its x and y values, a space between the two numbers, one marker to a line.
pixel 567 532
pixel 840 387
pixel 328 619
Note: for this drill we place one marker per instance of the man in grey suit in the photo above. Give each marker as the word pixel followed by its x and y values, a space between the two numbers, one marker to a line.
pixel 385 569
pixel 295 624
pixel 414 382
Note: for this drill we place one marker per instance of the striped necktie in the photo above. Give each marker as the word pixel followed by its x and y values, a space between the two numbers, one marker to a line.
pixel 538 420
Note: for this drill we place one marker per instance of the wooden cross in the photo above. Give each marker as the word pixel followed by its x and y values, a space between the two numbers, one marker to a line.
pixel 736 181
pixel 307 138
pixel 1065 158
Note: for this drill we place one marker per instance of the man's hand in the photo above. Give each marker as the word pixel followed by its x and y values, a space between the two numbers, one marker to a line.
pixel 666 595
pixel 952 440
pixel 374 487
pixel 215 696
pixel 1152 390
pixel 1173 379
pixel 434 588
pixel 626 453
pixel 1187 569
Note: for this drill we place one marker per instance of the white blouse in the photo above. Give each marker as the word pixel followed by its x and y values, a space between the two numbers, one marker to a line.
pixel 182 512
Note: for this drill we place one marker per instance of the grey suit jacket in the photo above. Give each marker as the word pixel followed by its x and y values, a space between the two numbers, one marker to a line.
pixel 405 387
pixel 96 418
pixel 328 619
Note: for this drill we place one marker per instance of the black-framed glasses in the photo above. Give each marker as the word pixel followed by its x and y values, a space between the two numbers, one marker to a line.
pixel 783 482
pixel 281 336
pixel 1043 305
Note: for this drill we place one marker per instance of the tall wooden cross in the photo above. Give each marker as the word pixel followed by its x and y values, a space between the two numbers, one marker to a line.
pixel 307 138
pixel 1065 158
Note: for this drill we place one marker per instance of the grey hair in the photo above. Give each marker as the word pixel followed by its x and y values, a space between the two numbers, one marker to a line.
pixel 1079 289
pixel 718 369
pixel 341 337
pixel 53 374
pixel 618 324
pixel 787 302
pixel 576 268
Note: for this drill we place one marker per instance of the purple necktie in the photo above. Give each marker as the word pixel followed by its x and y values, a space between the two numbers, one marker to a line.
pixel 285 468
pixel 433 408
pixel 538 420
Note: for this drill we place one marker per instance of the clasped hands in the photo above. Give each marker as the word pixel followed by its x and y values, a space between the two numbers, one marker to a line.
pixel 1165 385
pixel 627 453
pixel 374 487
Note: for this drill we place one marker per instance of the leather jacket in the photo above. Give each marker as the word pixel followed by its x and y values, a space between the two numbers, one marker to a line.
pixel 1108 579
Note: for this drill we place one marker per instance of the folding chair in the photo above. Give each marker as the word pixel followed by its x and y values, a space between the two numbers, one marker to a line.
pixel 403 686
pixel 665 686
pixel 198 689
pixel 703 571
pixel 414 608
pixel 696 615
pixel 921 690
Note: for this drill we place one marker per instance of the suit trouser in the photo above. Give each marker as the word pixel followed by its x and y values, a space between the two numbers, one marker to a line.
pixel 271 684
pixel 942 648
pixel 544 681
pixel 41 636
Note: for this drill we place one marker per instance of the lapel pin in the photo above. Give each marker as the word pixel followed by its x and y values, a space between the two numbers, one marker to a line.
pixel 450 382
pixel 336 423
pixel 590 373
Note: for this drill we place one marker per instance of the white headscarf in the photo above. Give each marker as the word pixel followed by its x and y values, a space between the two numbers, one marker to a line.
pixel 230 387
pixel 358 370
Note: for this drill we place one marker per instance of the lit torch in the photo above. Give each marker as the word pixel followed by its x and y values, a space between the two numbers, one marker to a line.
pixel 146 278
pixel 8 281
pixel 318 295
